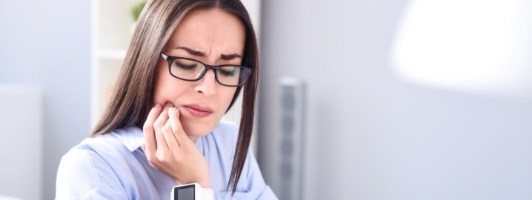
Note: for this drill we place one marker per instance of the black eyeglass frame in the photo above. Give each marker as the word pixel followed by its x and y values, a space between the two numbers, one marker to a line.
pixel 170 60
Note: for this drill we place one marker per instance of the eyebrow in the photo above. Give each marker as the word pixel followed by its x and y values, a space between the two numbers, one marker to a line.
pixel 201 54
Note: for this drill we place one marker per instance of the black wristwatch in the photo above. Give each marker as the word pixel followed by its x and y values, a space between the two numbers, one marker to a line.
pixel 192 191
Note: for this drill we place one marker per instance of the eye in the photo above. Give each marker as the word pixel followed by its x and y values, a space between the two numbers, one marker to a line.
pixel 228 71
pixel 186 64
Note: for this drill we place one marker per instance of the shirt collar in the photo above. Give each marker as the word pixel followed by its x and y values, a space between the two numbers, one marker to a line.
pixel 131 137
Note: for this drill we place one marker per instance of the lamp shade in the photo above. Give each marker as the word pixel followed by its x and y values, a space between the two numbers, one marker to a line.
pixel 467 45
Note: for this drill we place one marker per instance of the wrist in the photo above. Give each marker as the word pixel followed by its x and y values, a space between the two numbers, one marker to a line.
pixel 205 183
pixel 204 179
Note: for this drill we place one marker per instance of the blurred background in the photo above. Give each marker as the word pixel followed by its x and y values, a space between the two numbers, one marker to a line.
pixel 376 100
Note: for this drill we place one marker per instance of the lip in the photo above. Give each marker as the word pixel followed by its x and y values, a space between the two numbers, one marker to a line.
pixel 198 110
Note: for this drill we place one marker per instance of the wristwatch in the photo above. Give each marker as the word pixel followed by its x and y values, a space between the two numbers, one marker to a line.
pixel 191 191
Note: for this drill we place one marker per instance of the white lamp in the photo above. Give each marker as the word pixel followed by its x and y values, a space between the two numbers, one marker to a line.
pixel 475 46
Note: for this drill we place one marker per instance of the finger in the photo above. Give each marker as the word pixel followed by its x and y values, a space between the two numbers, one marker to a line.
pixel 158 125
pixel 169 137
pixel 177 128
pixel 175 124
pixel 149 137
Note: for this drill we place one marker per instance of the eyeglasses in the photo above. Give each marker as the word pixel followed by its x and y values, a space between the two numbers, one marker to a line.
pixel 192 70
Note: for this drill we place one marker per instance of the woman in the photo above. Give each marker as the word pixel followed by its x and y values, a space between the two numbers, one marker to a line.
pixel 187 62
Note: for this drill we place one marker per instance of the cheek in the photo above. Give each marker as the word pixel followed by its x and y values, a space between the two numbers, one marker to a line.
pixel 226 95
pixel 166 87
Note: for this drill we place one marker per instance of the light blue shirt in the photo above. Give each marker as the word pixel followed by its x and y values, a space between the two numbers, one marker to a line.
pixel 113 166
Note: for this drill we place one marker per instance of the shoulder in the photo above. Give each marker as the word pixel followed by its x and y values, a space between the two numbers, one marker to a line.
pixel 90 153
pixel 90 147
pixel 105 146
pixel 97 165
pixel 102 150
pixel 79 158
pixel 81 170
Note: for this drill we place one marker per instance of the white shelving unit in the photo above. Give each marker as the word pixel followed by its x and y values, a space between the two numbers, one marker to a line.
pixel 111 33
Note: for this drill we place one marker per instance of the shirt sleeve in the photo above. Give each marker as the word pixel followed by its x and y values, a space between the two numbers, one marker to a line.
pixel 251 184
pixel 82 174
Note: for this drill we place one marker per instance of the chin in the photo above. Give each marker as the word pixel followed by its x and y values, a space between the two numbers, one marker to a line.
pixel 198 128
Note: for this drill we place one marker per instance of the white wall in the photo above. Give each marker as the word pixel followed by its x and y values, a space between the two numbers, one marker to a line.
pixel 372 134
pixel 47 43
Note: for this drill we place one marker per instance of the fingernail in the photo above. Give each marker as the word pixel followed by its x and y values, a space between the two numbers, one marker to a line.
pixel 157 106
pixel 171 112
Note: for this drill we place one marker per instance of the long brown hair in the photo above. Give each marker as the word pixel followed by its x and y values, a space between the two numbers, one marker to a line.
pixel 133 93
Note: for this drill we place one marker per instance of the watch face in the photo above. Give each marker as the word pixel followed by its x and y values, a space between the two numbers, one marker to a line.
pixel 184 192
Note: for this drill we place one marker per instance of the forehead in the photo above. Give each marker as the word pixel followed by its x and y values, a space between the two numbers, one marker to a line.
pixel 210 29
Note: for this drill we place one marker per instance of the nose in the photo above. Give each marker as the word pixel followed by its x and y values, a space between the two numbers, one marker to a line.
pixel 207 84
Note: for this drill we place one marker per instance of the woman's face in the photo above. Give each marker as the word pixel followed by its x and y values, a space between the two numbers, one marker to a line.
pixel 213 37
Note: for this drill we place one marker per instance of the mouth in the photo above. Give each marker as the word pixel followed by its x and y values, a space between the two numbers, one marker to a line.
pixel 198 111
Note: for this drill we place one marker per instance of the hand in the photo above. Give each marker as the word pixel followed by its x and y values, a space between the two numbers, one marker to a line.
pixel 170 150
